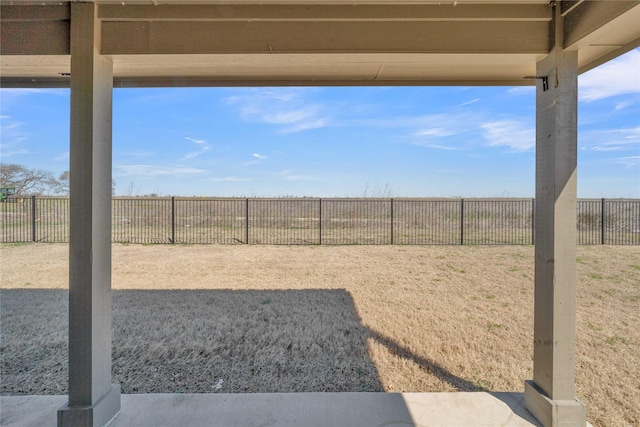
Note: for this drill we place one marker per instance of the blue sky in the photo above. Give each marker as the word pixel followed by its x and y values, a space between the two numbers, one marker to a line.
pixel 344 142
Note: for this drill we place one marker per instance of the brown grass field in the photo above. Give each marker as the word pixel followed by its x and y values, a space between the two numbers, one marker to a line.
pixel 325 318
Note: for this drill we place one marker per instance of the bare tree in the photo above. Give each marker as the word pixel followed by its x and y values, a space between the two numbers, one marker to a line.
pixel 26 181
pixel 62 184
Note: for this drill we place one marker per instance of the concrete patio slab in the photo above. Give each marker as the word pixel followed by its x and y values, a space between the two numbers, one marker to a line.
pixel 289 410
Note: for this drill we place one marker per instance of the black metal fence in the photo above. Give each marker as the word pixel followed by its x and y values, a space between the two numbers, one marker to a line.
pixel 308 221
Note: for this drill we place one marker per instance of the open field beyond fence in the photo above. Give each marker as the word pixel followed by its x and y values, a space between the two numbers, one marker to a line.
pixel 325 318
pixel 308 221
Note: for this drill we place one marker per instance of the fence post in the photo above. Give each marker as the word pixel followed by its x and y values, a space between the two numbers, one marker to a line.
pixel 173 220
pixel 320 221
pixel 602 222
pixel 33 218
pixel 392 221
pixel 246 223
pixel 462 221
pixel 533 221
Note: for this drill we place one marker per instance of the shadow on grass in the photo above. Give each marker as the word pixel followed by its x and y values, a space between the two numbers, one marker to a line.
pixel 196 341
pixel 203 341
pixel 433 368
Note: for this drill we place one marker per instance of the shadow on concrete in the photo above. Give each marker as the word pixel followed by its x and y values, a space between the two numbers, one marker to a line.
pixel 515 402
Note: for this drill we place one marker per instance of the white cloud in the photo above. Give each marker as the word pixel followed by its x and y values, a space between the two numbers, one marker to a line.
pixel 197 141
pixel 194 154
pixel 617 77
pixel 624 139
pixel 622 105
pixel 231 179
pixel 28 91
pixel 257 159
pixel 473 101
pixel 521 90
pixel 629 161
pixel 285 108
pixel 13 147
pixel 510 133
pixel 155 170
pixel 63 157
pixel 437 146
pixel 289 176
pixel 12 153
pixel 13 125
pixel 435 132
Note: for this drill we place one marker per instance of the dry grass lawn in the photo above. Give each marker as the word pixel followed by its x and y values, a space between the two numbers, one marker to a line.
pixel 342 318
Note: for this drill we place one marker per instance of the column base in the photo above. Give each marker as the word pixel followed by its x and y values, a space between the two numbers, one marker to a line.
pixel 553 413
pixel 100 414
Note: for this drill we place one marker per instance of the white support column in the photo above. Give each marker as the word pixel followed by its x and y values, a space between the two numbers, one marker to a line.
pixel 550 397
pixel 93 400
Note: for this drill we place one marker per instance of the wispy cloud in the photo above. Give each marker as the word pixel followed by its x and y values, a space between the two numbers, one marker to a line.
pixel 257 158
pixel 138 154
pixel 30 91
pixel 290 176
pixel 62 157
pixel 197 141
pixel 14 146
pixel 622 105
pixel 624 139
pixel 155 170
pixel 521 90
pixel 437 146
pixel 510 133
pixel 231 179
pixel 437 132
pixel 629 161
pixel 193 154
pixel 617 77
pixel 11 153
pixel 286 108
pixel 473 101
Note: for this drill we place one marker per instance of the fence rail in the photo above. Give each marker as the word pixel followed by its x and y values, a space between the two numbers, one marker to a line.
pixel 307 221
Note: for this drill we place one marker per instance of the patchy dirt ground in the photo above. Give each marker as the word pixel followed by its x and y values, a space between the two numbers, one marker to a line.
pixel 325 318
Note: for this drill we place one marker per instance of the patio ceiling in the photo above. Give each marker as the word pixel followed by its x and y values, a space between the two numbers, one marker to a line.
pixel 227 43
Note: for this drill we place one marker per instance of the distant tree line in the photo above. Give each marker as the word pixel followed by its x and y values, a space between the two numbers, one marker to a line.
pixel 35 182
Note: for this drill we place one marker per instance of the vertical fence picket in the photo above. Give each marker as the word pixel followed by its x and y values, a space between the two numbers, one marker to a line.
pixel 319 221
pixel 246 221
pixel 462 221
pixel 603 223
pixel 33 218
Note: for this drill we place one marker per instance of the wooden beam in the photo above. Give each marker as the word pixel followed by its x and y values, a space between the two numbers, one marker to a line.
pixel 191 81
pixel 589 16
pixel 34 38
pixel 567 6
pixel 35 13
pixel 634 44
pixel 324 12
pixel 170 37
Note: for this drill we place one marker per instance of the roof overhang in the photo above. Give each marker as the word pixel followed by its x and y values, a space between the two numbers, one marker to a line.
pixel 257 43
